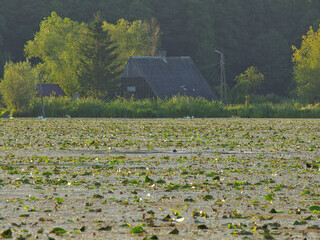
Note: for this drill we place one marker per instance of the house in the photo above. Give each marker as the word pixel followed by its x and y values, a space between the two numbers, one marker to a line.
pixel 160 77
pixel 50 90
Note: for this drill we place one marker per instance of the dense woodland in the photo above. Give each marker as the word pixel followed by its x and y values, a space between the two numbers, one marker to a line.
pixel 256 33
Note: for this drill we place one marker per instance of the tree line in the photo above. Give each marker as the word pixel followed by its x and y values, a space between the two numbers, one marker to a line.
pixel 256 33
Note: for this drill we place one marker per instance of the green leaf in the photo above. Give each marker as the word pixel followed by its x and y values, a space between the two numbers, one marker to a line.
pixel 107 228
pixel 167 218
pixel 269 197
pixel 174 231
pixel 207 197
pixel 300 223
pixel 160 181
pixel 232 226
pixel 125 225
pixel 312 208
pixel 212 174
pixel 202 227
pixel 189 200
pixel 273 211
pixel 244 232
pixel 314 227
pixel 58 231
pixel 98 196
pixel 59 200
pixel 7 233
pixel 309 218
pixel 148 180
pixel 175 212
pixel 47 174
pixel 138 229
pixel 305 192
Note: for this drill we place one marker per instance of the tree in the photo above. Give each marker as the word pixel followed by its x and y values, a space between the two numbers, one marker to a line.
pixel 135 38
pixel 99 71
pixel 272 56
pixel 18 85
pixel 153 28
pixel 307 67
pixel 189 27
pixel 1 42
pixel 247 83
pixel 66 48
pixel 56 46
pixel 21 19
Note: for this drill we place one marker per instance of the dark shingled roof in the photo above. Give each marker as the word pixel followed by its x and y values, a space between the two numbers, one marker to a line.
pixel 50 90
pixel 169 76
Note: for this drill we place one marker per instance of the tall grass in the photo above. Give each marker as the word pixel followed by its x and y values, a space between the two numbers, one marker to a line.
pixel 176 107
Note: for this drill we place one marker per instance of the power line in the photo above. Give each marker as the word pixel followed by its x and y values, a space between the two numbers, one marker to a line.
pixel 223 82
pixel 210 66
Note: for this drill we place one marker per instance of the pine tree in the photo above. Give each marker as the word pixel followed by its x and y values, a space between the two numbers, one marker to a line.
pixel 98 73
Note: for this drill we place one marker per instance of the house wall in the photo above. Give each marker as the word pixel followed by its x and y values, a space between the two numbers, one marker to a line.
pixel 140 87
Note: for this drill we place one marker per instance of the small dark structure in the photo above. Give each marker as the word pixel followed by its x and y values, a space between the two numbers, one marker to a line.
pixel 160 77
pixel 50 90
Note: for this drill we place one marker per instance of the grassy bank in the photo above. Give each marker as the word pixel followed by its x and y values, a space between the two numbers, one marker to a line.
pixel 176 107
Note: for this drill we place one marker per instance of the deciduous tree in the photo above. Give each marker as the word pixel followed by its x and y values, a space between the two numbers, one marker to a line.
pixel 135 38
pixel 56 45
pixel 18 85
pixel 248 83
pixel 306 61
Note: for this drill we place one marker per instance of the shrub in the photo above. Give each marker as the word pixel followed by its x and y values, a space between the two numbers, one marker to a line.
pixel 176 107
pixel 18 85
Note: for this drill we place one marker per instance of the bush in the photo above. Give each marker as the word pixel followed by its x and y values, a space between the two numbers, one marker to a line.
pixel 176 107
pixel 307 67
pixel 247 85
pixel 18 85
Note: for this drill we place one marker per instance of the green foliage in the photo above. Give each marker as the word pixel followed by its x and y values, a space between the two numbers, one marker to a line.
pixel 176 107
pixel 135 38
pixel 2 30
pixel 138 229
pixel 82 58
pixel 271 47
pixel 56 45
pixel 248 83
pixel 307 67
pixel 18 85
pixel 6 233
pixel 58 231
pixel 262 38
pixel 98 71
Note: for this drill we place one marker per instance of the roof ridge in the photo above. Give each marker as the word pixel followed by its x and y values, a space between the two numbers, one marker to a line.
pixel 159 57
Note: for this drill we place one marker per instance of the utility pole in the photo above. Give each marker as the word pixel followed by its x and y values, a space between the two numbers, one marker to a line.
pixel 41 93
pixel 223 82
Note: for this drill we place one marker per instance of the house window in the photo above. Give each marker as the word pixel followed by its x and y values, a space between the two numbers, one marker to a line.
pixel 131 89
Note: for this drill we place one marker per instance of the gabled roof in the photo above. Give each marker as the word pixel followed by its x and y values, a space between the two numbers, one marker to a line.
pixel 169 76
pixel 50 90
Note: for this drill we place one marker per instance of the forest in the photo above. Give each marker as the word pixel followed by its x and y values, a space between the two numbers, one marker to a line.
pixel 257 33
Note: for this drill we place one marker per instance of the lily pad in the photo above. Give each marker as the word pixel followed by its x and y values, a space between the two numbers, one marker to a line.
pixel 174 231
pixel 7 233
pixel 58 231
pixel 107 228
pixel 312 208
pixel 167 218
pixel 202 227
pixel 138 229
